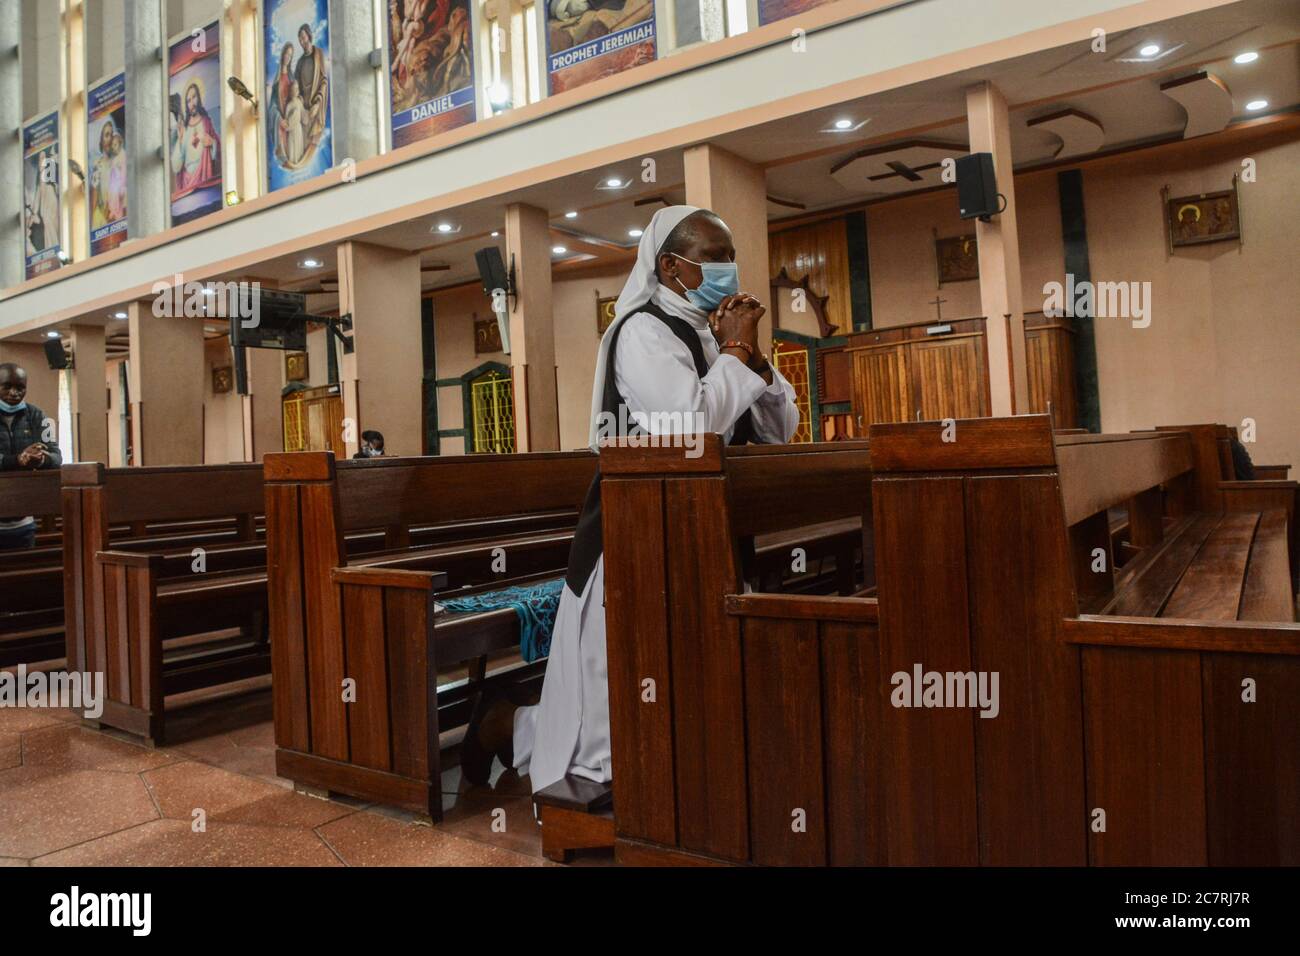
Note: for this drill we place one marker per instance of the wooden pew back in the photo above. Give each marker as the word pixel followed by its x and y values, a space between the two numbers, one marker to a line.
pixel 311 501
pixel 684 781
pixel 93 497
pixel 1124 737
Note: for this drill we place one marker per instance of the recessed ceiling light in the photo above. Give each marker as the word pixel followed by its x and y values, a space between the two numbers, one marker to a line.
pixel 495 234
pixel 634 233
pixel 1151 49
pixel 613 183
pixel 1256 105
pixel 118 315
pixel 51 334
pixel 571 214
pixel 1249 57
pixel 843 123
pixel 559 250
pixel 444 227
pixel 311 263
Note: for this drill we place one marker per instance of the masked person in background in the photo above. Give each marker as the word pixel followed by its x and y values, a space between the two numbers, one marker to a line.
pixel 682 353
pixel 372 445
pixel 22 428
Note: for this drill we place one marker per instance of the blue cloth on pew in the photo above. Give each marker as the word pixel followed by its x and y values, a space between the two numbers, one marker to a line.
pixel 535 604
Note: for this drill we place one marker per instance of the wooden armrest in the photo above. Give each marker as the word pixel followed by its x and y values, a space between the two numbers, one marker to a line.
pixel 818 607
pixel 1259 484
pixel 390 578
pixel 1276 471
pixel 1181 634
pixel 130 559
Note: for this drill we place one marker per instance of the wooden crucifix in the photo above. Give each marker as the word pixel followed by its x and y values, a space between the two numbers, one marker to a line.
pixel 938 308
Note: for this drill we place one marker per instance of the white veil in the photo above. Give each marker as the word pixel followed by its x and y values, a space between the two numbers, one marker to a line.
pixel 640 285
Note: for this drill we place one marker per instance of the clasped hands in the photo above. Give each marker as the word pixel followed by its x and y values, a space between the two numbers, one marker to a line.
pixel 735 320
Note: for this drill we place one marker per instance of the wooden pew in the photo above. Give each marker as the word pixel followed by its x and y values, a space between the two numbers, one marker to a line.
pixel 736 701
pixel 138 606
pixel 1078 733
pixel 332 620
pixel 1216 487
pixel 31 621
pixel 784 736
pixel 121 606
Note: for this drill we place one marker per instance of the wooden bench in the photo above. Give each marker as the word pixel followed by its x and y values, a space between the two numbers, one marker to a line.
pixel 781 739
pixel 331 620
pixel 31 621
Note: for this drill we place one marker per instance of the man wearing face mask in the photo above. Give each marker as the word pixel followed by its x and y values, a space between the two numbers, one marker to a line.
pixel 21 428
pixel 684 344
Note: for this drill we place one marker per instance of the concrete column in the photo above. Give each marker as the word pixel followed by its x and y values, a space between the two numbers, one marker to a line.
pixel 354 92
pixel 532 335
pixel 263 425
pixel 76 191
pixel 381 379
pixel 737 191
pixel 242 57
pixel 89 397
pixel 999 254
pixel 11 146
pixel 166 380
pixel 145 98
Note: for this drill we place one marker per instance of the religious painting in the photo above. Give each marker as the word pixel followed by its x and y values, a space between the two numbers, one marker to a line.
pixel 1209 217
pixel 590 39
pixel 41 216
pixel 222 380
pixel 769 11
pixel 605 313
pixel 430 67
pixel 106 162
pixel 295 366
pixel 298 126
pixel 958 258
pixel 487 335
pixel 194 123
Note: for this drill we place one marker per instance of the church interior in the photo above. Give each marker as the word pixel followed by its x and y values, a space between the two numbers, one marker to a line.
pixel 1020 589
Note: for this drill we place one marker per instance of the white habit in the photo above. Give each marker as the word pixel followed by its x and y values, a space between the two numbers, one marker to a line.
pixel 568 731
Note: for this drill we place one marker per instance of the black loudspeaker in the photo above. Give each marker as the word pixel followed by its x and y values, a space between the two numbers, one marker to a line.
pixel 977 187
pixel 492 269
pixel 55 355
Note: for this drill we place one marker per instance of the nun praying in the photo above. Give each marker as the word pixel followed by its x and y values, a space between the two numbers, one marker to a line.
pixel 682 356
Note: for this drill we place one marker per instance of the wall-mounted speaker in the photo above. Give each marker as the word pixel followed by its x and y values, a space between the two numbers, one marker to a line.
pixel 55 354
pixel 977 187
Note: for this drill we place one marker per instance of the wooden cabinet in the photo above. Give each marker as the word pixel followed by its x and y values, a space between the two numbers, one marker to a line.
pixel 313 420
pixel 905 370
pixel 1049 360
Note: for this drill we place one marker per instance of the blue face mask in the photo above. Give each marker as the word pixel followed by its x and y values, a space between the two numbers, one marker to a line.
pixel 721 279
pixel 12 409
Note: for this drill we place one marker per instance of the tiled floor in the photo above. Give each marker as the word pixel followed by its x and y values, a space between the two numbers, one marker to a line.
pixel 74 796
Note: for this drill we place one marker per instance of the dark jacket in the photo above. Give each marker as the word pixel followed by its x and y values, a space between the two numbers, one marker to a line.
pixel 19 431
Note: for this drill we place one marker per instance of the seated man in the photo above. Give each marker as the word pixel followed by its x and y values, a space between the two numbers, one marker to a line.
pixel 22 427
pixel 682 352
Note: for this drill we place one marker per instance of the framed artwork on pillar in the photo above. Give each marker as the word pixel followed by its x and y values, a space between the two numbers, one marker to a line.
pixel 487 335
pixel 604 312
pixel 295 367
pixel 223 380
